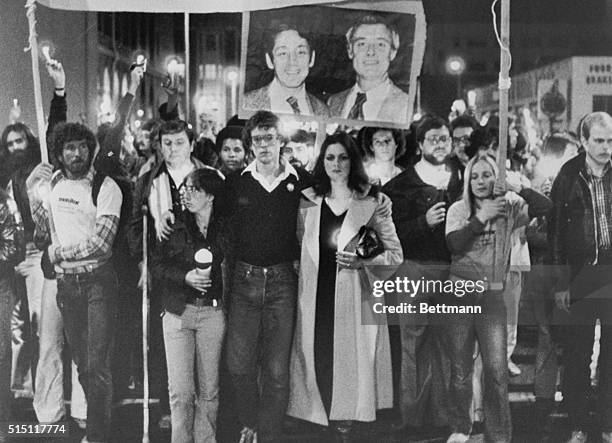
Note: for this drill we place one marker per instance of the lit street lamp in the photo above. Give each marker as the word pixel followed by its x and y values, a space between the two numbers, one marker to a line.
pixel 232 77
pixel 455 65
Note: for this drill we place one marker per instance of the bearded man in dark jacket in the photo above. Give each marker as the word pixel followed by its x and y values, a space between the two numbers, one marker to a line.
pixel 420 196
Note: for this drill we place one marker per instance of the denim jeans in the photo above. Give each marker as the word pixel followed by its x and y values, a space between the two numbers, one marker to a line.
pixel 260 330
pixel 539 290
pixel 88 306
pixel 489 328
pixel 512 297
pixel 194 340
pixel 24 347
pixel 49 394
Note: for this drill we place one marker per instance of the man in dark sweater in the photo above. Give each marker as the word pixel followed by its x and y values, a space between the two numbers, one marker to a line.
pixel 263 203
pixel 420 195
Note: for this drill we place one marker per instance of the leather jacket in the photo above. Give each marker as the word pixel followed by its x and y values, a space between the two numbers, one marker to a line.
pixel 172 259
pixel 572 233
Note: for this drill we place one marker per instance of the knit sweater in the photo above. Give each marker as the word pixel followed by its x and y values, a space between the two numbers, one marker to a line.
pixel 264 223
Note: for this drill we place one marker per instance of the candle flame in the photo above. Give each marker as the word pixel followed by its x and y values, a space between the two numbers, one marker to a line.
pixel 45 50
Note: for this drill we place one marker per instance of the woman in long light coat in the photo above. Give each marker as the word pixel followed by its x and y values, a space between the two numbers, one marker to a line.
pixel 341 361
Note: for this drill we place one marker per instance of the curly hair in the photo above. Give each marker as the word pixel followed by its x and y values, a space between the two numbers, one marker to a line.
pixel 397 134
pixel 68 132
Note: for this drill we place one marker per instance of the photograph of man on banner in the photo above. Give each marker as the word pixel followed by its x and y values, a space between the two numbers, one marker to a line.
pixel 347 63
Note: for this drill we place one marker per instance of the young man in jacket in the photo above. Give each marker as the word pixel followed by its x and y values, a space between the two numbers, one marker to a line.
pixel 580 236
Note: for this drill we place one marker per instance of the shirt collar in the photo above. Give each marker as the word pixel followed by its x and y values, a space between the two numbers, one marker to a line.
pixel 279 96
pixel 425 165
pixel 276 89
pixel 286 169
pixel 435 175
pixel 380 90
pixel 606 168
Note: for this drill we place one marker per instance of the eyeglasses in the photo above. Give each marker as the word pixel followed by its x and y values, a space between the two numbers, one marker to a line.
pixel 437 139
pixel 461 140
pixel 261 139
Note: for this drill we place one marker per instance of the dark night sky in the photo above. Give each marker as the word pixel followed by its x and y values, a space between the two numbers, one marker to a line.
pixel 526 11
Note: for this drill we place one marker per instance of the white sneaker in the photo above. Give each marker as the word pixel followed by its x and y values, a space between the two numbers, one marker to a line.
pixel 513 369
pixel 578 437
pixel 457 437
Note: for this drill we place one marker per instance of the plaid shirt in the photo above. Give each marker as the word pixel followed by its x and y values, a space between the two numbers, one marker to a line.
pixel 601 199
pixel 98 245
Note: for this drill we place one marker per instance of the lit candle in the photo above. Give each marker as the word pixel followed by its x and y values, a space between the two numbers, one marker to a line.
pixel 45 50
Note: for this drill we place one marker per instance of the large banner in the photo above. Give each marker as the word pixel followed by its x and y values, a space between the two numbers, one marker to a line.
pixel 359 67
pixel 352 64
pixel 191 6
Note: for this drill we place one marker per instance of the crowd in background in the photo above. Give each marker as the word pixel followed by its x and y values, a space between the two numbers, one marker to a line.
pixel 279 314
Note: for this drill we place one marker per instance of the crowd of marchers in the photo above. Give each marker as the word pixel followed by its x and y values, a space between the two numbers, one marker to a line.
pixel 279 309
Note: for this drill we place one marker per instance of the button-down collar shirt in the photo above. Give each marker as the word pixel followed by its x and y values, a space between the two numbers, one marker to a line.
pixel 286 170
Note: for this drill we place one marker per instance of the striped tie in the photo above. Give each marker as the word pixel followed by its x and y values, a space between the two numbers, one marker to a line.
pixel 294 105
pixel 356 112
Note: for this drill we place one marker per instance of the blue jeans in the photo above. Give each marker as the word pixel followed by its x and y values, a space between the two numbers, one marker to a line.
pixel 49 394
pixel 260 330
pixel 88 306
pixel 461 332
pixel 194 340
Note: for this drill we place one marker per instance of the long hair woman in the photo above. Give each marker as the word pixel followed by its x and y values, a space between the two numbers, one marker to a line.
pixel 471 237
pixel 193 319
pixel 340 362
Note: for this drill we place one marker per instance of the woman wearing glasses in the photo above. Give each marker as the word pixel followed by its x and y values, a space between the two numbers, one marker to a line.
pixel 340 362
pixel 193 319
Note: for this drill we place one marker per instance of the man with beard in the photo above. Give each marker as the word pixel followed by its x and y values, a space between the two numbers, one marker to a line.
pixel 372 45
pixel 289 54
pixel 79 229
pixel 41 287
pixel 299 150
pixel 21 153
pixel 420 196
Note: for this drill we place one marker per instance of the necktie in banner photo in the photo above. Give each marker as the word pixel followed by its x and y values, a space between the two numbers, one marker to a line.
pixel 293 102
pixel 356 112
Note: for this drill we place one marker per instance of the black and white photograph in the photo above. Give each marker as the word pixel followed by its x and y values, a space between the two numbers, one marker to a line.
pixel 299 221
pixel 327 65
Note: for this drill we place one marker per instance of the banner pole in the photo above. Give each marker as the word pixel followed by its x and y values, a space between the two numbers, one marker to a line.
pixel 187 83
pixel 145 328
pixel 502 246
pixel 33 48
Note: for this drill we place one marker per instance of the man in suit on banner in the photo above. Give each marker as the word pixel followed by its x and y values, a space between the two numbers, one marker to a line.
pixel 289 54
pixel 372 45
